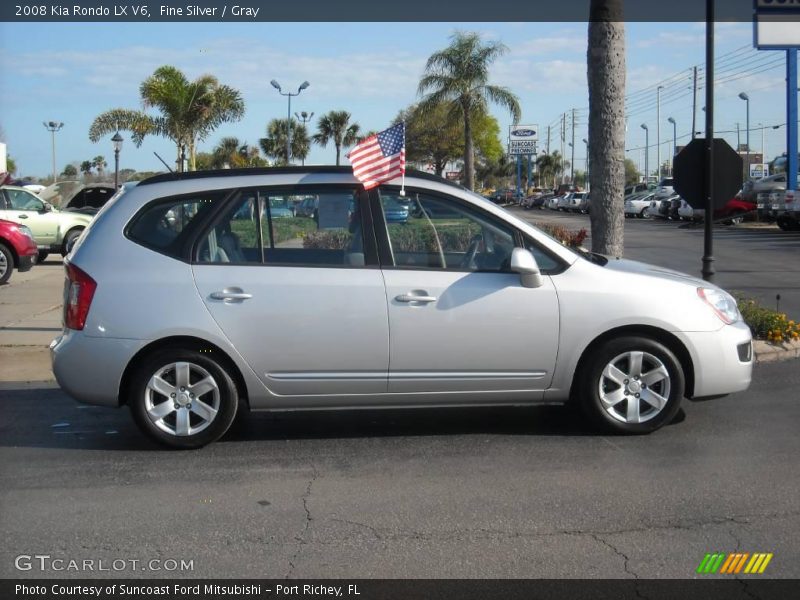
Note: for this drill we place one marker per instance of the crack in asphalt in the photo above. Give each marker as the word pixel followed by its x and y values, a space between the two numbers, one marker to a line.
pixel 625 564
pixel 745 585
pixel 300 537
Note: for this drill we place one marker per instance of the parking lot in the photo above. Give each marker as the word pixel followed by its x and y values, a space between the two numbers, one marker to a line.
pixel 435 493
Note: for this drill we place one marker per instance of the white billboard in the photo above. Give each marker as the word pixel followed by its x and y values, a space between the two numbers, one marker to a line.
pixel 3 158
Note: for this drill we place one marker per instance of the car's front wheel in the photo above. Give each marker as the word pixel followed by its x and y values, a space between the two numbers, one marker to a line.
pixel 631 385
pixel 6 263
pixel 69 240
pixel 182 398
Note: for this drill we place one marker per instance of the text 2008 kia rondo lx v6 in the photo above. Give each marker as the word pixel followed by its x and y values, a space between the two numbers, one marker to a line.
pixel 193 296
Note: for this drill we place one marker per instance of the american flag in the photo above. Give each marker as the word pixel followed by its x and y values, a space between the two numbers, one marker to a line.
pixel 380 157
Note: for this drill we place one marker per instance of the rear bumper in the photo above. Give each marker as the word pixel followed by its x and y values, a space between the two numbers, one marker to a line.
pixel 723 360
pixel 90 369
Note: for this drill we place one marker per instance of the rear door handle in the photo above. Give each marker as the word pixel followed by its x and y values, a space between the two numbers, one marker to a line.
pixel 407 298
pixel 231 295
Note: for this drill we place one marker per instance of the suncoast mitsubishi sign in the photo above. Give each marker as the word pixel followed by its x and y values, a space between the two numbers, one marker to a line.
pixel 522 139
pixel 776 24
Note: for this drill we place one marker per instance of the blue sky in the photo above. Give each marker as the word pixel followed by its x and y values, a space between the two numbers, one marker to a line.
pixel 72 72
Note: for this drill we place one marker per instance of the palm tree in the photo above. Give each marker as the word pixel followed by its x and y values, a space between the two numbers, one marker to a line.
pixel 189 111
pixel 336 127
pixel 606 74
pixel 458 78
pixel 99 163
pixel 551 167
pixel 274 145
pixel 230 152
pixel 86 168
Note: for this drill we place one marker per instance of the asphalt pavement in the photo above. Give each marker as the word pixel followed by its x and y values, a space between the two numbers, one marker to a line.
pixel 435 493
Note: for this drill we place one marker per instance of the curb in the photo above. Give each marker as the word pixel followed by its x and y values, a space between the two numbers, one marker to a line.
pixel 766 352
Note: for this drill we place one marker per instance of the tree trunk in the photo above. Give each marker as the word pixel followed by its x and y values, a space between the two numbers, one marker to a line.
pixel 469 151
pixel 606 75
pixel 338 152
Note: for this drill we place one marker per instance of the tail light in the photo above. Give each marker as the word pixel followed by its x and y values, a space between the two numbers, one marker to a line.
pixel 78 296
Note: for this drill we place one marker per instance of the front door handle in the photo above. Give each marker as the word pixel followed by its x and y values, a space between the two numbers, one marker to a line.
pixel 23 216
pixel 230 295
pixel 408 298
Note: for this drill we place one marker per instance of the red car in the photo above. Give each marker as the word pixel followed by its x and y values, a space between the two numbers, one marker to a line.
pixel 17 249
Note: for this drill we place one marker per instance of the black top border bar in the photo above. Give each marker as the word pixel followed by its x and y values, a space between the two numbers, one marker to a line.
pixel 196 11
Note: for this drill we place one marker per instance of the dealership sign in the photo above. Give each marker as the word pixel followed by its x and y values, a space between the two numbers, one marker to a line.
pixel 777 24
pixel 522 139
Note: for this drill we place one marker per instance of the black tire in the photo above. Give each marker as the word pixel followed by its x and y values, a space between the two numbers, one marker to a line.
pixel 228 399
pixel 42 257
pixel 71 236
pixel 590 379
pixel 6 263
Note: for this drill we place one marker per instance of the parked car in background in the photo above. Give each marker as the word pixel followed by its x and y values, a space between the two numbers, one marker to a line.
pixel 733 212
pixel 53 230
pixel 308 207
pixel 75 196
pixel 636 205
pixel 584 206
pixel 659 208
pixel 552 202
pixel 565 202
pixel 638 188
pixel 537 200
pixel 763 188
pixel 665 188
pixel 254 317
pixel 18 250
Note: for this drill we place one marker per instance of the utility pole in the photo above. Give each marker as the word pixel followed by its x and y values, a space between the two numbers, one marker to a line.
pixel 548 139
pixel 563 141
pixel 694 104
pixel 791 120
pixel 572 159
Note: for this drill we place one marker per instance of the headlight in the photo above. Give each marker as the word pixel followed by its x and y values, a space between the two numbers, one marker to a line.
pixel 721 302
pixel 25 230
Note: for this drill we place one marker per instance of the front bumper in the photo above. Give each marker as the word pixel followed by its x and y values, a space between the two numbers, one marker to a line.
pixel 90 368
pixel 718 368
pixel 26 263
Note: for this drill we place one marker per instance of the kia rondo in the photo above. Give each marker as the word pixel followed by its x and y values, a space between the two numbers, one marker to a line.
pixel 188 301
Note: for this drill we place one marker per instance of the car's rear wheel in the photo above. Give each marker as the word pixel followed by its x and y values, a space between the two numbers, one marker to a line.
pixel 6 263
pixel 69 240
pixel 631 385
pixel 182 398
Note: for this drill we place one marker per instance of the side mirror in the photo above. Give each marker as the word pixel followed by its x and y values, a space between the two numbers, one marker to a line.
pixel 523 262
pixel 46 207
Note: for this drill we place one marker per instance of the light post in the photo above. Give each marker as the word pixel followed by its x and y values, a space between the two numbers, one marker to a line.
pixel 658 129
pixel 646 153
pixel 572 165
pixel 289 95
pixel 117 143
pixel 52 127
pixel 746 98
pixel 585 141
pixel 304 117
pixel 674 140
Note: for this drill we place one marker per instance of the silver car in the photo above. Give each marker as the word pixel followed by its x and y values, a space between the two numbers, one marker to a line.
pixel 189 320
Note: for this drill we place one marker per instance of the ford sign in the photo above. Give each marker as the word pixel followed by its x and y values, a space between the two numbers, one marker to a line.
pixel 523 133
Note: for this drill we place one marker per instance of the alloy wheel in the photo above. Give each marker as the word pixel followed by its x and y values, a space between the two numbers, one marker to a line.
pixel 182 399
pixel 634 387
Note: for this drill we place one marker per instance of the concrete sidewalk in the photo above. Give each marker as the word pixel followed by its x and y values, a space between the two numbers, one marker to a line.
pixel 30 317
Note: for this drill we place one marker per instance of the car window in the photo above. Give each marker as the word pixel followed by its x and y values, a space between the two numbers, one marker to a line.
pixel 322 230
pixel 280 228
pixel 165 223
pixel 22 200
pixel 432 232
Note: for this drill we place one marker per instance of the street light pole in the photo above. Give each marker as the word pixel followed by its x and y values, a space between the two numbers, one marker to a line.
pixel 52 127
pixel 674 140
pixel 304 117
pixel 646 153
pixel 289 95
pixel 746 98
pixel 117 142
pixel 658 129
pixel 585 141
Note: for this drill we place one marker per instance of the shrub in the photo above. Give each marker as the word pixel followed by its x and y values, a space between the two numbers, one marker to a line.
pixel 765 323
pixel 327 239
pixel 568 237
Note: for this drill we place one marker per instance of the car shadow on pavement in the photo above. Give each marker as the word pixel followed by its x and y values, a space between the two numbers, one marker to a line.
pixel 71 426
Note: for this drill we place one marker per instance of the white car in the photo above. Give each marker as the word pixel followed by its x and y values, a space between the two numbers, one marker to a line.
pixel 226 309
pixel 636 205
pixel 665 188
pixel 552 203
pixel 687 213
pixel 564 202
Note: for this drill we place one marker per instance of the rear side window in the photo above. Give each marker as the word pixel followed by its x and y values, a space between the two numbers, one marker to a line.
pixel 165 224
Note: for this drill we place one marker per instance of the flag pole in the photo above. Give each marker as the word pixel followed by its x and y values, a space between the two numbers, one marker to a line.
pixel 403 174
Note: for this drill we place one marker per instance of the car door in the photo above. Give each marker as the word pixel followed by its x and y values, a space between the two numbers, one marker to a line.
pixel 302 299
pixel 25 208
pixel 459 319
